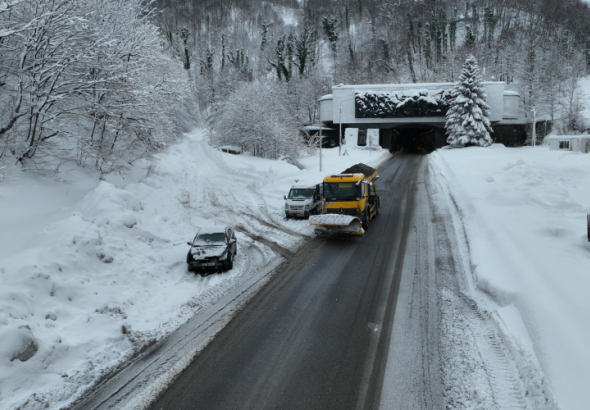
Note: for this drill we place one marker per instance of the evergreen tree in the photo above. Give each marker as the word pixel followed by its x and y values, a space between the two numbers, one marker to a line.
pixel 468 115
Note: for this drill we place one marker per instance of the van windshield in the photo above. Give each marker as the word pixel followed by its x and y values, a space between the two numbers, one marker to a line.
pixel 300 193
pixel 341 191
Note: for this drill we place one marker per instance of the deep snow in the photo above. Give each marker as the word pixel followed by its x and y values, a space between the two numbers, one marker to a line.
pixel 93 271
pixel 524 212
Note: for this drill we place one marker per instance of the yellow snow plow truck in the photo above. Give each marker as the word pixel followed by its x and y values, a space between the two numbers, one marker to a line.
pixel 350 202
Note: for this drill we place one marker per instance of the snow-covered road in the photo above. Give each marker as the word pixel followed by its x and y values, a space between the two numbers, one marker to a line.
pixel 105 278
pixel 444 345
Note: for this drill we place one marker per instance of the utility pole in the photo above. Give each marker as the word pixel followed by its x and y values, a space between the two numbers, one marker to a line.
pixel 534 136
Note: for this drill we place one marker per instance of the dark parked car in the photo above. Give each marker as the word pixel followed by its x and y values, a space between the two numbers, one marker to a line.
pixel 212 250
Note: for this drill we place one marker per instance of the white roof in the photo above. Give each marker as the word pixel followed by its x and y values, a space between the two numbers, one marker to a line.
pixel 301 186
pixel 316 128
pixel 568 137
pixel 212 229
pixel 403 86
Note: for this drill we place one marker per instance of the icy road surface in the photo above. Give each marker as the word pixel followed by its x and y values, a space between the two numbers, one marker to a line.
pixel 383 321
pixel 137 319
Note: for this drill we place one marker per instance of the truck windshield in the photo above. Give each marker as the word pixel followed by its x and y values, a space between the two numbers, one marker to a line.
pixel 301 193
pixel 341 191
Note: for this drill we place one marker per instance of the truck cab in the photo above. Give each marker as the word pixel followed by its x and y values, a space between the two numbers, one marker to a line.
pixel 352 193
pixel 303 200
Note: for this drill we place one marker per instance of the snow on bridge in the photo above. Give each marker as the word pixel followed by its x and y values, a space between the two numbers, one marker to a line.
pixel 406 108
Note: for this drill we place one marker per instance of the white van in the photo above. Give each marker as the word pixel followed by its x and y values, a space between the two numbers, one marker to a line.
pixel 303 200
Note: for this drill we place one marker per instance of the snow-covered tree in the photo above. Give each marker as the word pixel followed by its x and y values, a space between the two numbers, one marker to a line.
pixel 257 118
pixel 468 114
pixel 86 80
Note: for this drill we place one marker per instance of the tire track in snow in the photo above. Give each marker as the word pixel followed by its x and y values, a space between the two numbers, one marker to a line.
pixel 217 200
pixel 478 368
pixel 284 252
pixel 135 382
pixel 506 387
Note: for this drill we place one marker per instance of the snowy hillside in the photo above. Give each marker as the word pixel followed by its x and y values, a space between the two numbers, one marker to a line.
pixel 93 272
pixel 524 212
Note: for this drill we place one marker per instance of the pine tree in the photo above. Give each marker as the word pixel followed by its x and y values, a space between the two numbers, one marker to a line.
pixel 468 115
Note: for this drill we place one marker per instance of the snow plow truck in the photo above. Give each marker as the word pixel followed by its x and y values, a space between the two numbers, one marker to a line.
pixel 350 202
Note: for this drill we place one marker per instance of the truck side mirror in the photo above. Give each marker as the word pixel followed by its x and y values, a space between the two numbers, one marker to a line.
pixel 285 197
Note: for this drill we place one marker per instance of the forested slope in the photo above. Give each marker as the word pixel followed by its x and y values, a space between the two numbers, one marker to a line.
pixel 86 81
pixel 539 48
pixel 104 83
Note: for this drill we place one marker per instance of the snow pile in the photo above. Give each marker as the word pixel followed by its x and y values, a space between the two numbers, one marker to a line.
pixel 93 272
pixel 331 219
pixel 524 212
pixel 336 223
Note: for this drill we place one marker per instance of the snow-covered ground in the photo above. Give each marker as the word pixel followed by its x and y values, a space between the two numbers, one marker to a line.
pixel 524 213
pixel 92 272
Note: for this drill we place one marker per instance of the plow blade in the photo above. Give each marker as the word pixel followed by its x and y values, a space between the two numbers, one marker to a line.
pixel 335 224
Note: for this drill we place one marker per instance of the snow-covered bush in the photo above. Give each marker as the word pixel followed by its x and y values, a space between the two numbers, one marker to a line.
pixel 468 115
pixel 256 117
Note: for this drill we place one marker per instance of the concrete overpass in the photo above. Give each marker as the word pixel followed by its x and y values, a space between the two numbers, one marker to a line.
pixel 407 114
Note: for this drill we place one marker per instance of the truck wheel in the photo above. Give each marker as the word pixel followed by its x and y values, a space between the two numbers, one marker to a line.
pixel 366 220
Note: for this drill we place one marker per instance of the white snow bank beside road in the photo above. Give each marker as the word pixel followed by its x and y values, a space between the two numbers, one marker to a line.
pixel 92 272
pixel 524 212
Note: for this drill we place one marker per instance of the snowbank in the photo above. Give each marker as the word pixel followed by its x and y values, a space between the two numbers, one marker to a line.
pixel 93 272
pixel 524 211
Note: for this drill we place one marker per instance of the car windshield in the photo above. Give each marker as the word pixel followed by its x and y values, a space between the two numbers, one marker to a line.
pixel 210 238
pixel 301 193
pixel 341 191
